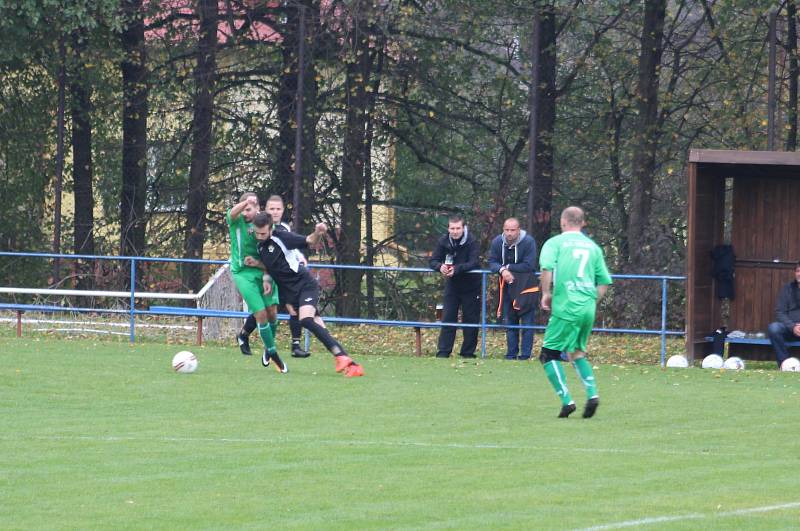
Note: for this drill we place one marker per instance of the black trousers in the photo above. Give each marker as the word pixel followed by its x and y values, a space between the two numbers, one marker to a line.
pixel 470 304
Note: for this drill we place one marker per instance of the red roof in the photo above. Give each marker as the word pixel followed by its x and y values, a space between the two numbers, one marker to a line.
pixel 180 15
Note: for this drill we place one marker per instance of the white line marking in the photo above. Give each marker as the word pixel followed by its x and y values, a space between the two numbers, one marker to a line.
pixel 342 442
pixel 645 521
pixel 692 516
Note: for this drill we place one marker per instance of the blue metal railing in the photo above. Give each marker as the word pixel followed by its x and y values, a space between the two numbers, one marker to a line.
pixel 484 326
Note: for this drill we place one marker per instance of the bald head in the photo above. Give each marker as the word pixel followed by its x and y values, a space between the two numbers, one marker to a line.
pixel 572 218
pixel 511 230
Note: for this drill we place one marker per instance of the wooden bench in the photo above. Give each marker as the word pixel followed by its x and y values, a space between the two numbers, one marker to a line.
pixel 760 343
pixel 752 341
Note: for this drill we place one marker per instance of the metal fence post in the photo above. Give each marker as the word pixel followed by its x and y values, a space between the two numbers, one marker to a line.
pixel 133 290
pixel 663 321
pixel 483 315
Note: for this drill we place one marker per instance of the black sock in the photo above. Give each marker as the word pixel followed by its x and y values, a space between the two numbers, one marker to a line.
pixel 321 333
pixel 296 329
pixel 249 325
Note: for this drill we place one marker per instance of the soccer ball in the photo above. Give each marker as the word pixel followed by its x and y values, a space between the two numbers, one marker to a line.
pixel 791 365
pixel 678 362
pixel 184 362
pixel 712 361
pixel 734 363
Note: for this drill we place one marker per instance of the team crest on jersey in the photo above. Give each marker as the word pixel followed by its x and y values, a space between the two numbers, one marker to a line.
pixel 271 248
pixel 250 231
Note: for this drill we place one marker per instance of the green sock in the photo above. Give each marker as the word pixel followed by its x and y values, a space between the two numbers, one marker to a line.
pixel 584 369
pixel 555 373
pixel 265 331
pixel 273 325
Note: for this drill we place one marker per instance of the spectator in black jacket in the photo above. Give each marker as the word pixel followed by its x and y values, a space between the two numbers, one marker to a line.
pixel 787 313
pixel 456 253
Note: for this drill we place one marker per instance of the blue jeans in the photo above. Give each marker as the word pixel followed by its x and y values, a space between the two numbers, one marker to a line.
pixel 511 317
pixel 778 336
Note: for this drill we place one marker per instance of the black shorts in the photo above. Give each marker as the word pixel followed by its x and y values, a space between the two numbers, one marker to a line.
pixel 308 296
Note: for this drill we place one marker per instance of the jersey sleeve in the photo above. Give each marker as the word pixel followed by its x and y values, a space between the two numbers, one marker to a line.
pixel 547 258
pixel 228 217
pixel 293 240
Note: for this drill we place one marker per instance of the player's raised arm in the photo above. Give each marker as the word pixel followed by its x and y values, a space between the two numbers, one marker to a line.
pixel 237 209
pixel 319 231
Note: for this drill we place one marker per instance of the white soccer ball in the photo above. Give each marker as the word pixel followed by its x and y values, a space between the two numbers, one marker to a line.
pixel 790 365
pixel 713 361
pixel 184 362
pixel 678 362
pixel 734 363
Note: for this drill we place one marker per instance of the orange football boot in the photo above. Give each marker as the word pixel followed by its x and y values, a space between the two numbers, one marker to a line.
pixel 353 370
pixel 343 362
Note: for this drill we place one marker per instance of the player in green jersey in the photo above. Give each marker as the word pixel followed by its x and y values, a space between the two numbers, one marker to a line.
pixel 574 265
pixel 250 281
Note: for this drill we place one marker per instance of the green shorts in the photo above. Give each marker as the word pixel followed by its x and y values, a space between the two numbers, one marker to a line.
pixel 248 282
pixel 569 336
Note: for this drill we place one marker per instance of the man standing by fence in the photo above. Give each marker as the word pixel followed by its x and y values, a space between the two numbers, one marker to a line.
pixel 577 269
pixel 455 255
pixel 513 256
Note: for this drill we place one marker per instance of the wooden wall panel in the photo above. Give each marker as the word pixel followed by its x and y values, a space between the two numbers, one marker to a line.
pixel 765 243
pixel 705 214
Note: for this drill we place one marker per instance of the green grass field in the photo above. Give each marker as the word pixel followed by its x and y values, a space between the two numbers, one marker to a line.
pixel 100 434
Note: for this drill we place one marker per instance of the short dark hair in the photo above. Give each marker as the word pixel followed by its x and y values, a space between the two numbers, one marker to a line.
pixel 455 218
pixel 797 264
pixel 275 198
pixel 262 219
pixel 246 195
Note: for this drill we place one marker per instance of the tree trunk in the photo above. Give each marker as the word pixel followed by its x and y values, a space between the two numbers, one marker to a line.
pixel 62 81
pixel 80 92
pixel 368 189
pixel 348 243
pixel 646 132
pixel 614 130
pixel 310 120
pixel 202 140
pixel 286 104
pixel 543 189
pixel 134 131
pixel 285 98
pixel 791 51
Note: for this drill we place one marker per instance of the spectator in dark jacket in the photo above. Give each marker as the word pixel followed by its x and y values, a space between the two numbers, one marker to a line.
pixel 511 254
pixel 456 253
pixel 787 313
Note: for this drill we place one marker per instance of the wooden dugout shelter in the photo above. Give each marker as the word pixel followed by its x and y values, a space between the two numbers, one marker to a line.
pixel 762 191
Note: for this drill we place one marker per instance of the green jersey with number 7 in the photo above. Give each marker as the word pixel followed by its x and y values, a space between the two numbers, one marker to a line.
pixel 578 267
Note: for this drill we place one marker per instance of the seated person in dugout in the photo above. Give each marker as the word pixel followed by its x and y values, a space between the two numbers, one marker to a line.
pixel 787 315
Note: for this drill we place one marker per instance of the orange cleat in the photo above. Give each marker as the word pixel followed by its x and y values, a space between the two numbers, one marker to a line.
pixel 343 362
pixel 353 370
